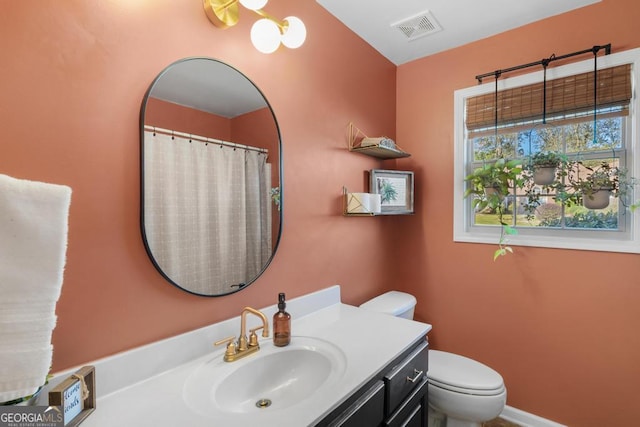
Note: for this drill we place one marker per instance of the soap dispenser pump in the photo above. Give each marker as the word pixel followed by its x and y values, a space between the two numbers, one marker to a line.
pixel 281 324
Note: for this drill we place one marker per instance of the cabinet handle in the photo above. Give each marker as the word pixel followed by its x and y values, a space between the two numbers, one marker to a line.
pixel 418 375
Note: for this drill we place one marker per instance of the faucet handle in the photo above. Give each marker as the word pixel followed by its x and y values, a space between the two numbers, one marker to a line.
pixel 253 338
pixel 231 345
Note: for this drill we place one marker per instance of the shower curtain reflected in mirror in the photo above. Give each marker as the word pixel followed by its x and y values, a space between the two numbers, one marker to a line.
pixel 207 211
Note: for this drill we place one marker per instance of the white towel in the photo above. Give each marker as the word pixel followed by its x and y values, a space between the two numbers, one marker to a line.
pixel 33 246
pixel 23 372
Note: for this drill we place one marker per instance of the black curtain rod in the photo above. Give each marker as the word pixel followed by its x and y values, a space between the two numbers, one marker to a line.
pixel 545 62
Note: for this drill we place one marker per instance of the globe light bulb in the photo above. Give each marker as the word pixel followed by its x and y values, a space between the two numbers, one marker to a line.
pixel 295 33
pixel 253 4
pixel 265 35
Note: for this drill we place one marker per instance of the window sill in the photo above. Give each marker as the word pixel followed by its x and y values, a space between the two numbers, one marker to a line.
pixel 492 235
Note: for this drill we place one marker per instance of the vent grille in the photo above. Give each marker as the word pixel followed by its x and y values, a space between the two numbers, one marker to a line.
pixel 417 26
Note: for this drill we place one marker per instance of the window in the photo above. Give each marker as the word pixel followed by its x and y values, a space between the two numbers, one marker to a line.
pixel 563 121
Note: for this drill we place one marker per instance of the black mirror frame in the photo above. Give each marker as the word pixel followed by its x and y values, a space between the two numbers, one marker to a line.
pixel 280 175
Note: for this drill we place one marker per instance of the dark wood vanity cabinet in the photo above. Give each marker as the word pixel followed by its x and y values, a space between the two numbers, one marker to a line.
pixel 406 389
pixel 367 410
pixel 396 397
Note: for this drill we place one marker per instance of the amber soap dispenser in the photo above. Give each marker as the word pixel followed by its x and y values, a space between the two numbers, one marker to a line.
pixel 281 324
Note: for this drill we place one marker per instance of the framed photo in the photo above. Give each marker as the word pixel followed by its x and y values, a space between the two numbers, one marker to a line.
pixel 395 189
pixel 76 396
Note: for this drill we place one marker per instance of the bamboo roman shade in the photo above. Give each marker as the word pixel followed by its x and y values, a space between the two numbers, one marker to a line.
pixel 566 96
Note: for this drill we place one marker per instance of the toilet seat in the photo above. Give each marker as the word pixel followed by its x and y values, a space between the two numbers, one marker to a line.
pixel 463 375
pixel 469 391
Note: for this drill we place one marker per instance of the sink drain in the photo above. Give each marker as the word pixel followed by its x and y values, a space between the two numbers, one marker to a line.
pixel 263 403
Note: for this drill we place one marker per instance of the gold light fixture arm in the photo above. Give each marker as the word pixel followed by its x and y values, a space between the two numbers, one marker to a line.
pixel 283 25
pixel 222 13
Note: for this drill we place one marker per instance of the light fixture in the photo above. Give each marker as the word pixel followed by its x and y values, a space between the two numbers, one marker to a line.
pixel 267 33
pixel 253 4
pixel 295 34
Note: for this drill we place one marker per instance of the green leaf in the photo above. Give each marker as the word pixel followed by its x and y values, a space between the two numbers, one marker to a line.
pixel 502 252
pixel 509 230
pixel 513 163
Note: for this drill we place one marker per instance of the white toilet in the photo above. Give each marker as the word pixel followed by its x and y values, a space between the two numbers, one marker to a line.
pixel 463 390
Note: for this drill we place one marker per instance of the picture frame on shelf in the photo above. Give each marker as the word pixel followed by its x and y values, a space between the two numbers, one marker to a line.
pixel 395 188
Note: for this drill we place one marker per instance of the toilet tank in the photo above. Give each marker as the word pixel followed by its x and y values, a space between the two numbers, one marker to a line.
pixel 395 303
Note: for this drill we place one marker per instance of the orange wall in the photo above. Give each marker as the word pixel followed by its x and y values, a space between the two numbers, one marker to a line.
pixel 72 81
pixel 172 116
pixel 564 336
pixel 250 129
pixel 255 128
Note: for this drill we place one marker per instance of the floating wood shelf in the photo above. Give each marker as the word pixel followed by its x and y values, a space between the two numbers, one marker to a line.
pixel 380 152
pixel 360 214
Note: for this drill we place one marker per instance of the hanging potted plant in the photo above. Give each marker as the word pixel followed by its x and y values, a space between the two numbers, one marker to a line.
pixel 490 183
pixel 489 186
pixel 543 166
pixel 604 182
pixel 597 188
pixel 544 174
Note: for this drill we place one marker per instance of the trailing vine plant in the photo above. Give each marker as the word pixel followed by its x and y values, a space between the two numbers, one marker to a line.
pixel 490 186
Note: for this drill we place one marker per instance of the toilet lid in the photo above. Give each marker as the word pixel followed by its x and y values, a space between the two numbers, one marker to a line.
pixel 392 302
pixel 461 374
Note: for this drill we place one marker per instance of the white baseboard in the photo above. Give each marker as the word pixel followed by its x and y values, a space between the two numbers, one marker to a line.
pixel 526 419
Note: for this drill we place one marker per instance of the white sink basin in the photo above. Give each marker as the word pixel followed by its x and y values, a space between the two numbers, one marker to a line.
pixel 273 379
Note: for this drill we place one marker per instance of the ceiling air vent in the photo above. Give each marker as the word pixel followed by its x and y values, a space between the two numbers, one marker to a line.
pixel 417 26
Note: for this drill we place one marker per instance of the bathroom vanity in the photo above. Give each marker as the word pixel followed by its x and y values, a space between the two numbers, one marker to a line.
pixel 397 396
pixel 345 366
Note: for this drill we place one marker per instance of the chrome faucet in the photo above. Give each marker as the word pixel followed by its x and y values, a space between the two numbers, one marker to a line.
pixel 244 347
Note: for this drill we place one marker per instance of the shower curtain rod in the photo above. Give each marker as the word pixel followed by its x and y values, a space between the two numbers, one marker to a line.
pixel 546 61
pixel 205 139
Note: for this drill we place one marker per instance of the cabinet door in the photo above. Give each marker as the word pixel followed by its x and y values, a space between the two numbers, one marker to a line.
pixel 406 376
pixel 413 411
pixel 416 418
pixel 367 411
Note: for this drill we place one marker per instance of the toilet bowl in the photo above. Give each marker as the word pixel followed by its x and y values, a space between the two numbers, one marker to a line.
pixel 462 390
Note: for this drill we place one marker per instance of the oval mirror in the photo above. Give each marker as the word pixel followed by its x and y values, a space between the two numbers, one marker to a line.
pixel 211 177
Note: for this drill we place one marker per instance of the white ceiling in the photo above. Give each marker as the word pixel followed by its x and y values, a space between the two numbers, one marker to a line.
pixel 208 85
pixel 461 21
pixel 212 86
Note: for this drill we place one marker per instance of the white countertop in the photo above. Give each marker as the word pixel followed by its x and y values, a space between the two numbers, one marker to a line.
pixel 368 339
